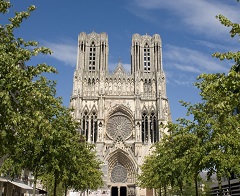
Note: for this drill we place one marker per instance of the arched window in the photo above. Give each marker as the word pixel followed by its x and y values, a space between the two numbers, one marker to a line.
pixel 89 82
pixel 147 87
pixel 153 128
pixel 149 128
pixel 146 60
pixel 89 126
pixel 92 57
pixel 82 47
pixel 144 128
pixel 85 124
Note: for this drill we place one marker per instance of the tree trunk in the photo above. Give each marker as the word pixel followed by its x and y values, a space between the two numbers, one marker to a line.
pixel 181 189
pixel 9 189
pixel 196 184
pixel 65 187
pixel 180 185
pixel 220 186
pixel 55 186
pixel 229 187
pixel 34 186
pixel 165 190
pixel 35 176
pixel 1 186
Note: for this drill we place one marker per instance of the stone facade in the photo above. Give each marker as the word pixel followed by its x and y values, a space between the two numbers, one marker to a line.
pixel 120 112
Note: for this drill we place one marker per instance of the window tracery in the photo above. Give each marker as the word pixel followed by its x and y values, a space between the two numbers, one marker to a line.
pixel 89 126
pixel 148 87
pixel 144 127
pixel 92 57
pixel 146 58
pixel 119 126
pixel 149 128
pixel 119 174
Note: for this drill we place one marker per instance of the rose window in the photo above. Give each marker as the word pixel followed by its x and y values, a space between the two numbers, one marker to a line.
pixel 119 126
pixel 119 174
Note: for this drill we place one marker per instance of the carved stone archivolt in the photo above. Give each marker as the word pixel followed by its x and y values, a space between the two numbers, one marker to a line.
pixel 119 126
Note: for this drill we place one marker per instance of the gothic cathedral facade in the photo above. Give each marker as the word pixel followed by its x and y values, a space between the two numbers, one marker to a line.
pixel 120 112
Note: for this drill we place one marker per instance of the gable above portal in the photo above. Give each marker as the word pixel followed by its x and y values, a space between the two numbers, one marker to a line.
pixel 119 71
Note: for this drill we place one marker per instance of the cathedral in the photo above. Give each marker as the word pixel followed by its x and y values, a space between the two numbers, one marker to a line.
pixel 120 112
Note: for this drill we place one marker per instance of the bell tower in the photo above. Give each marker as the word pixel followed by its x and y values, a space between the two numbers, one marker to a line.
pixel 146 53
pixel 92 52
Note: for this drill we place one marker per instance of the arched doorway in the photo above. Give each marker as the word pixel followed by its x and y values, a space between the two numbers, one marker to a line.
pixel 119 191
pixel 114 191
pixel 121 167
pixel 123 191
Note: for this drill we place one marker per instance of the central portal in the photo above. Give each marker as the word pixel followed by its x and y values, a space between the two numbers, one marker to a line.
pixel 123 191
pixel 119 191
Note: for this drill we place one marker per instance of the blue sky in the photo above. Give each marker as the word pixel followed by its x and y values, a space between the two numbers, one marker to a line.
pixel 189 31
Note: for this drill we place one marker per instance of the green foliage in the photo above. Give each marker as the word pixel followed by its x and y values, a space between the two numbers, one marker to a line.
pixel 211 141
pixel 48 181
pixel 171 164
pixel 84 168
pixel 221 95
pixel 17 89
pixel 37 132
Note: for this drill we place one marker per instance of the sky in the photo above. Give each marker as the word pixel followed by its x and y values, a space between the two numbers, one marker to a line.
pixel 189 31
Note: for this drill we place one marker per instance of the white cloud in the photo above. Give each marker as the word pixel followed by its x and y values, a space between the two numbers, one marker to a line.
pixel 189 60
pixel 219 47
pixel 197 15
pixel 64 51
pixel 143 14
pixel 184 82
pixel 177 78
pixel 212 45
pixel 127 67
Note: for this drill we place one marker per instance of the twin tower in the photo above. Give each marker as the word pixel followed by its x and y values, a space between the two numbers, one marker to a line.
pixel 120 112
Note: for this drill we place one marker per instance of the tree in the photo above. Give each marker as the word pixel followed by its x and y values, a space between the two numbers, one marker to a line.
pixel 37 133
pixel 170 163
pixel 215 128
pixel 218 115
pixel 16 80
pixel 85 172
pixel 71 163
pixel 28 103
pixel 221 93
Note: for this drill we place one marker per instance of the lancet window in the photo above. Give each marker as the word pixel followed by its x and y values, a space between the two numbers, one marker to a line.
pixel 92 57
pixel 153 128
pixel 89 126
pixel 150 132
pixel 92 82
pixel 145 128
pixel 82 47
pixel 147 86
pixel 146 60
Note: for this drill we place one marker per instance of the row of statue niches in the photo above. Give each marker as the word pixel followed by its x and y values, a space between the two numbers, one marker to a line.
pixel 120 89
pixel 95 81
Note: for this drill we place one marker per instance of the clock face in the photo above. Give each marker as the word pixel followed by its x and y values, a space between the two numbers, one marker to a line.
pixel 119 126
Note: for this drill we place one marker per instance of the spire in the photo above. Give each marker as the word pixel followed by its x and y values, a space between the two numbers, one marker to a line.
pixel 119 60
